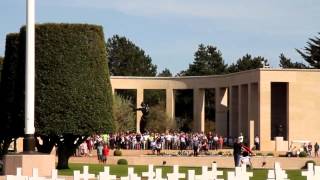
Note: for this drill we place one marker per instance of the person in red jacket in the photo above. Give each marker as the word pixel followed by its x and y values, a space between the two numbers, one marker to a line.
pixel 105 153
pixel 245 158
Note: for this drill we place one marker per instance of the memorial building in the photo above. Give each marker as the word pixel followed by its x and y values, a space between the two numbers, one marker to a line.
pixel 278 105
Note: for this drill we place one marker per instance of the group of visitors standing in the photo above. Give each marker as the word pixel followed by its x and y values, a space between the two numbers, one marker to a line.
pixel 168 141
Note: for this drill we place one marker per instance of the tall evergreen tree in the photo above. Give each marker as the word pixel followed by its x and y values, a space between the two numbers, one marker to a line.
pixel 11 116
pixel 207 61
pixel 311 52
pixel 247 62
pixel 127 59
pixel 73 91
pixel 286 63
pixel 165 73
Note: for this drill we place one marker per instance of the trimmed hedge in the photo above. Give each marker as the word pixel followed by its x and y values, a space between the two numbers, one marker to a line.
pixel 73 97
pixel 73 90
pixel 11 111
pixel 303 154
pixel 122 162
pixel 117 152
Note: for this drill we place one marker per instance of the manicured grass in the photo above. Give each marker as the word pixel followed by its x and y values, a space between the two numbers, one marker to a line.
pixel 122 170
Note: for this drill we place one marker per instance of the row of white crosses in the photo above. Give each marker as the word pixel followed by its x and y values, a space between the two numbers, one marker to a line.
pixel 240 173
pixel 150 175
pixel 35 175
pixel 312 173
pixel 277 173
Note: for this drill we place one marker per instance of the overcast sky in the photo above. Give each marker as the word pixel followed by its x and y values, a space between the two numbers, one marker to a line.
pixel 171 30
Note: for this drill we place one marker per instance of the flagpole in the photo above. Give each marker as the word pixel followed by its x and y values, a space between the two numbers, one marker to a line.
pixel 29 141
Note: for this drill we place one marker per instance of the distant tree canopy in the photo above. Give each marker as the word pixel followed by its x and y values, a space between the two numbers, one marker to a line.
pixel 207 61
pixel 127 59
pixel 165 73
pixel 311 52
pixel 123 115
pixel 247 62
pixel 73 91
pixel 286 63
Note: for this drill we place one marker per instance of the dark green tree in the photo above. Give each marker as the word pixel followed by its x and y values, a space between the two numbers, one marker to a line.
pixel 124 117
pixel 127 59
pixel 1 63
pixel 247 62
pixel 165 73
pixel 73 91
pixel 286 63
pixel 11 111
pixel 311 52
pixel 207 61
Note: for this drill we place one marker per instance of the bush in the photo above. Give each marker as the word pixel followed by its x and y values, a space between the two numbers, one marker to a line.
pixel 122 162
pixel 220 153
pixel 259 154
pixel 303 154
pixel 270 154
pixel 307 162
pixel 117 152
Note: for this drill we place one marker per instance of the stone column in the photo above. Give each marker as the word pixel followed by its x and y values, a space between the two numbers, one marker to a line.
pixel 234 111
pixel 243 111
pixel 265 116
pixel 170 102
pixel 253 112
pixel 221 124
pixel 139 113
pixel 198 109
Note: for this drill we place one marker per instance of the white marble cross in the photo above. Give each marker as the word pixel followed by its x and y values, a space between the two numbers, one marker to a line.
pixel 313 172
pixel 159 175
pixel 277 173
pixel 85 176
pixel 191 175
pixel 35 175
pixel 54 175
pixel 105 175
pixel 240 174
pixel 131 175
pixel 150 174
pixel 175 175
pixel 214 173
pixel 18 176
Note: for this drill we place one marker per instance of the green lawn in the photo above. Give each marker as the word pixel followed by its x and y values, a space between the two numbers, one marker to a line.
pixel 122 170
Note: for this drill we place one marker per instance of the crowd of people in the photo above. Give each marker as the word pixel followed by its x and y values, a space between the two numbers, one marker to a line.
pixel 157 141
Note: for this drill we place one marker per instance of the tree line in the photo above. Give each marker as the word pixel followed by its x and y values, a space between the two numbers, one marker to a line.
pixel 127 59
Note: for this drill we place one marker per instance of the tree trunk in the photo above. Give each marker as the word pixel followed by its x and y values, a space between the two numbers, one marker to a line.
pixel 63 157
pixel 66 149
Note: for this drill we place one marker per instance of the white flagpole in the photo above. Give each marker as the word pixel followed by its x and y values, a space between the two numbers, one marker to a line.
pixel 29 144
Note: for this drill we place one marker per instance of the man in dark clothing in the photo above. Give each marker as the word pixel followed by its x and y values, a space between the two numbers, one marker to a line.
pixel 237 152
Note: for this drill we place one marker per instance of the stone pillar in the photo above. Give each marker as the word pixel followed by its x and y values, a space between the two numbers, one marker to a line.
pixel 243 111
pixel 170 101
pixel 265 116
pixel 234 111
pixel 198 109
pixel 221 124
pixel 251 133
pixel 139 113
